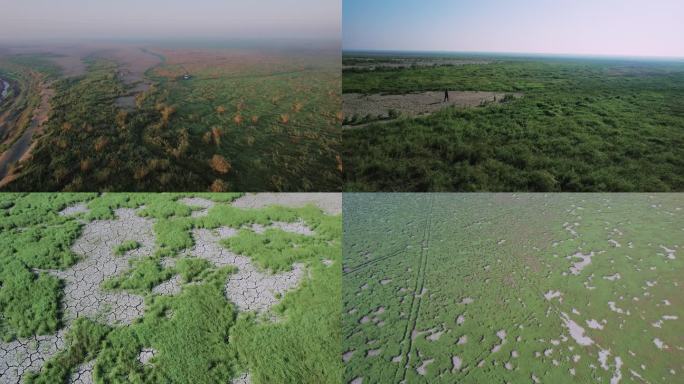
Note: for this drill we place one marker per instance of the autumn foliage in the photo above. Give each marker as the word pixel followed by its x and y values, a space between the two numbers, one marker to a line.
pixel 219 164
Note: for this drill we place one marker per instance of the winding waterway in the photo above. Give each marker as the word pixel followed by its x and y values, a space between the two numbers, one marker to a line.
pixel 5 89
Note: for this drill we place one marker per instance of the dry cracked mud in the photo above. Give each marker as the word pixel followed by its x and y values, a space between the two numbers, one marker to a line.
pixel 330 203
pixel 250 288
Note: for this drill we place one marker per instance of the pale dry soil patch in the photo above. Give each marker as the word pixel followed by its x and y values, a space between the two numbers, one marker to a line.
pixel 330 203
pixel 402 62
pixel 414 104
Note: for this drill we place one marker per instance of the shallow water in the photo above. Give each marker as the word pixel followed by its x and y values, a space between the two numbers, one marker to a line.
pixel 5 89
pixel 128 101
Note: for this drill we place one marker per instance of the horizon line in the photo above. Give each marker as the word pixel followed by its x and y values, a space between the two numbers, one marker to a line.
pixel 608 55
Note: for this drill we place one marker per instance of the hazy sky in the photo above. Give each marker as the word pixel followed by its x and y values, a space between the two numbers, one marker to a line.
pixel 595 27
pixel 59 19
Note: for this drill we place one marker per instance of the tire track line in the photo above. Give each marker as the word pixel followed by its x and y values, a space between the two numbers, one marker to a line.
pixel 418 292
pixel 371 262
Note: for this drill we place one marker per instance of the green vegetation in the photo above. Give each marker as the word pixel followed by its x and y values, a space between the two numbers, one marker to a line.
pixel 83 340
pixel 195 334
pixel 33 237
pixel 26 75
pixel 277 250
pixel 488 288
pixel 142 277
pixel 125 247
pixel 581 125
pixel 271 125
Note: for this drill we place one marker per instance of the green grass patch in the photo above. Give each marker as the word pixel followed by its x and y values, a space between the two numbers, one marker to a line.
pixel 126 246
pixel 580 126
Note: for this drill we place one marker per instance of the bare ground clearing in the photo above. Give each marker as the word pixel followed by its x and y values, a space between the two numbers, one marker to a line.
pixel 414 104
pixel 407 62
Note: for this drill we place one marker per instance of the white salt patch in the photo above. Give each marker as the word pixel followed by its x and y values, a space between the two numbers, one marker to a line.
pixel 347 356
pixel 552 294
pixel 572 371
pixel 435 336
pixel 614 243
pixel 74 209
pixel 580 265
pixel 502 335
pixel 456 362
pixel 670 252
pixel 614 277
pixel 651 283
pixel 669 317
pixel 146 355
pixel 615 308
pixel 603 358
pixel 422 370
pixel 576 331
pixel 618 374
pixel 635 374
pixel 593 324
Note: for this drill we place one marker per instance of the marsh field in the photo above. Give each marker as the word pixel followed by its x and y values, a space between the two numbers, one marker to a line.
pixel 187 116
pixel 515 288
pixel 170 288
pixel 512 123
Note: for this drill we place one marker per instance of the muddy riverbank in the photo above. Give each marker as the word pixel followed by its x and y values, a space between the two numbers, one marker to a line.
pixel 5 86
pixel 22 147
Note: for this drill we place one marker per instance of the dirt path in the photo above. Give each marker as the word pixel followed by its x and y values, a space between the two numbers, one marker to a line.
pixel 21 149
pixel 414 104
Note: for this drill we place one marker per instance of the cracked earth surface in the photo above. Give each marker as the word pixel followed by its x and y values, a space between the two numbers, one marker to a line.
pixel 249 288
pixel 330 203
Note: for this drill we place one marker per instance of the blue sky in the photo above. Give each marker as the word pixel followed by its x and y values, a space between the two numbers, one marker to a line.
pixel 593 27
pixel 40 19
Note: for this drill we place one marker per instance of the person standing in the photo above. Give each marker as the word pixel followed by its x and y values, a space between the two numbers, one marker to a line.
pixel 446 95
